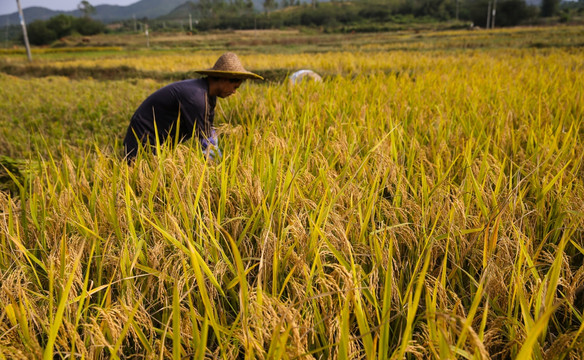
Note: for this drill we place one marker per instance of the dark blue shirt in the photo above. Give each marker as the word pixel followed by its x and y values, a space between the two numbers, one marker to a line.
pixel 184 106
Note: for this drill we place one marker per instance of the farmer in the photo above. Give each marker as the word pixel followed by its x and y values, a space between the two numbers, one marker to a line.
pixel 188 106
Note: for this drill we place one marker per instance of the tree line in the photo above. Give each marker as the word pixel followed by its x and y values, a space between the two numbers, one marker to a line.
pixel 333 15
pixel 41 32
pixel 360 15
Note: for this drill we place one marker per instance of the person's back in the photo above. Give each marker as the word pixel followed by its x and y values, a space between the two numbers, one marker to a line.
pixel 185 108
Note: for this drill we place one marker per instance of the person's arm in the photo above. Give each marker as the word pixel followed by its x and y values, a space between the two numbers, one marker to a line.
pixel 210 146
pixel 198 112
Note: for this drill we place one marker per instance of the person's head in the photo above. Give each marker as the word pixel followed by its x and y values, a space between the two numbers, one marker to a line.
pixel 222 86
pixel 227 75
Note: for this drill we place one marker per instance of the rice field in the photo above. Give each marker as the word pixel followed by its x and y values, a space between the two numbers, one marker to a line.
pixel 425 201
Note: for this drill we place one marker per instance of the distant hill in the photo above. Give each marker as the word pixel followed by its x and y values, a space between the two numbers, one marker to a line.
pixel 30 14
pixel 180 11
pixel 191 7
pixel 106 13
pixel 144 8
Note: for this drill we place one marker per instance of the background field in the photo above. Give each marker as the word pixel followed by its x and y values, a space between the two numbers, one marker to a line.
pixel 424 201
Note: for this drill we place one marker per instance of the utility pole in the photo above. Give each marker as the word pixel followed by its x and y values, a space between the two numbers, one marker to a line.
pixel 494 13
pixel 24 33
pixel 489 15
pixel 7 29
pixel 147 36
pixel 190 22
pixel 135 26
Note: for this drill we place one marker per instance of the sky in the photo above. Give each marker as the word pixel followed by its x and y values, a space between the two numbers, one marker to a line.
pixel 9 6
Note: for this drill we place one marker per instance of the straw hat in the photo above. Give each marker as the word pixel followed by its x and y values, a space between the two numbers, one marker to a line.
pixel 229 66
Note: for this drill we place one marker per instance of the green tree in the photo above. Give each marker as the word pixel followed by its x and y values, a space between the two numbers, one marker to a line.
pixel 249 6
pixel 86 8
pixel 205 8
pixel 61 24
pixel 88 26
pixel 270 5
pixel 40 34
pixel 513 12
pixel 549 7
pixel 509 12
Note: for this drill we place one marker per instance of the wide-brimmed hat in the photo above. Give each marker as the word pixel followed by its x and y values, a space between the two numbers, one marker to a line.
pixel 229 66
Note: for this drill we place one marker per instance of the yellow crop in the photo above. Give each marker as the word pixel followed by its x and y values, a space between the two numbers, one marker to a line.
pixel 425 200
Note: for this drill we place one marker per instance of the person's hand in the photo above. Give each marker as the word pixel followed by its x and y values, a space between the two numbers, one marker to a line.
pixel 213 152
pixel 210 147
